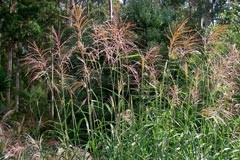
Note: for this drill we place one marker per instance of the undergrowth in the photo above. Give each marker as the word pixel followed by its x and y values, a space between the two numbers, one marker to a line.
pixel 111 100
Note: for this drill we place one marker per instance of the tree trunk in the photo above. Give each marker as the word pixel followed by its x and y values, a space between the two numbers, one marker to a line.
pixel 190 9
pixel 110 3
pixel 98 2
pixel 88 7
pixel 12 6
pixel 71 7
pixel 17 89
pixel 66 5
pixel 0 49
pixel 58 18
pixel 17 85
pixel 1 3
pixel 9 73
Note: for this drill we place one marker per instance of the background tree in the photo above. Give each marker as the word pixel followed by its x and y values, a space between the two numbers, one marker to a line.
pixel 152 18
pixel 23 21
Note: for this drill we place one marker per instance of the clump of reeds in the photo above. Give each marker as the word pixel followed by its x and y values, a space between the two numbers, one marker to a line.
pixel 79 20
pixel 182 40
pixel 52 65
pixel 214 36
pixel 114 56
pixel 224 73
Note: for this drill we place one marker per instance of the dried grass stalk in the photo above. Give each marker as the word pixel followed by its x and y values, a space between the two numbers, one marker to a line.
pixel 183 40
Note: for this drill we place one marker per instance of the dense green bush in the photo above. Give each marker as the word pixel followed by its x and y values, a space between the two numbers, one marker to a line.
pixel 151 19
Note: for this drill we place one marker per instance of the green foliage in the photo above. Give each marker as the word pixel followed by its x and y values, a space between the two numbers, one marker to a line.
pixel 152 18
pixel 28 20
pixel 35 100
pixel 230 15
pixel 170 134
